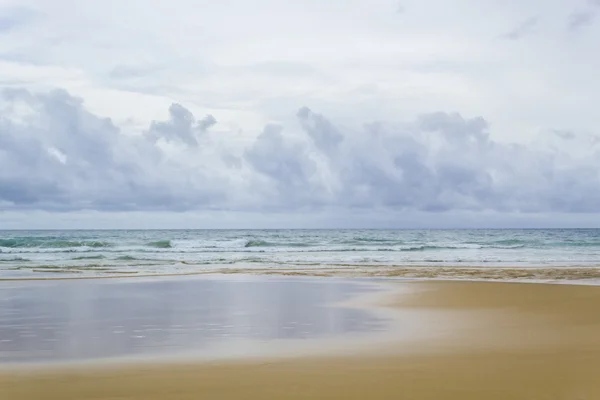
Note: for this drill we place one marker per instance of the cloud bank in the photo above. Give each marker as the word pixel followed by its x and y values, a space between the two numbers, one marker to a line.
pixel 55 155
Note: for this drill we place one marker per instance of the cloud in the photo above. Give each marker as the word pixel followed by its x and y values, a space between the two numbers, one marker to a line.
pixel 290 170
pixel 55 155
pixel 584 18
pixel 182 126
pixel 354 61
pixel 580 19
pixel 14 17
pixel 324 134
pixel 129 72
pixel 523 29
pixel 98 166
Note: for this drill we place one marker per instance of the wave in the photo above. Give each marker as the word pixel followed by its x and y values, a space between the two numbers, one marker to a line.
pixel 155 260
pixel 251 248
pixel 256 243
pixel 511 242
pixel 160 244
pixel 431 247
pixel 370 240
pixel 362 245
pixel 49 243
pixel 457 247
pixel 13 259
pixel 96 257
pixel 65 268
pixel 534 243
pixel 263 243
pixel 574 244
pixel 502 243
pixel 434 247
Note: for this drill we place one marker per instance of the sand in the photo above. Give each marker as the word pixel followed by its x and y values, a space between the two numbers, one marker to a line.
pixel 522 341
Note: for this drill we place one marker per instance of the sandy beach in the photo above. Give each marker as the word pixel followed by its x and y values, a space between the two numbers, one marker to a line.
pixel 512 341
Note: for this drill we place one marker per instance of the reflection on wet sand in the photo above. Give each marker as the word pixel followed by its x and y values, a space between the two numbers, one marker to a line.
pixel 78 320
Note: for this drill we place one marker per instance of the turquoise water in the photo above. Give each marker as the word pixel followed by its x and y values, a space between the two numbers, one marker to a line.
pixel 87 252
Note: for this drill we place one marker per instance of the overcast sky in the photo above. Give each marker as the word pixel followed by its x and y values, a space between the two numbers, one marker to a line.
pixel 354 113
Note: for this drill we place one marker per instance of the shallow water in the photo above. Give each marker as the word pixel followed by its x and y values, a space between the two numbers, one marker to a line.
pixel 26 254
pixel 48 321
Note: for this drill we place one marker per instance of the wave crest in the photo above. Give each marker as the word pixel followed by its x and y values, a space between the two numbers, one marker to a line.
pixel 50 243
pixel 160 244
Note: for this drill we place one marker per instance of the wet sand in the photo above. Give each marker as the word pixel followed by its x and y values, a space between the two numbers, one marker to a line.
pixel 589 274
pixel 204 317
pixel 516 341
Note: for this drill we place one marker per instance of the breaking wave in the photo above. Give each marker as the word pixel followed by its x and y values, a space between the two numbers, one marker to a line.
pixel 160 244
pixel 262 243
pixel 49 243
pixel 96 257
pixel 13 259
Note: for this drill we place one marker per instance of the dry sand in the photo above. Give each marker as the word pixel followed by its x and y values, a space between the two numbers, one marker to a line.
pixel 524 341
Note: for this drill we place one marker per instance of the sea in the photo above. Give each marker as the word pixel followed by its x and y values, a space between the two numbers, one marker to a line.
pixel 103 253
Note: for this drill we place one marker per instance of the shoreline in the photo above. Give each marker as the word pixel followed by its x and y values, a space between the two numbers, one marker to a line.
pixel 558 274
pixel 516 341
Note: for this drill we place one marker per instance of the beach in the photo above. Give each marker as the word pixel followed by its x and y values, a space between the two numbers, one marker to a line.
pixel 493 341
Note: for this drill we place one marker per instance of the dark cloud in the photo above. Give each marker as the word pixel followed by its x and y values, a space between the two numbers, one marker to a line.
pixel 57 156
pixel 523 29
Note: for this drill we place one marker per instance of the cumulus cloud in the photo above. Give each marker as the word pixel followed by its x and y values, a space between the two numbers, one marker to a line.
pixel 182 126
pixel 56 155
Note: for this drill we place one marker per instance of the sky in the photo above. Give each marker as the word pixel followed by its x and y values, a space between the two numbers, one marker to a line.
pixel 279 114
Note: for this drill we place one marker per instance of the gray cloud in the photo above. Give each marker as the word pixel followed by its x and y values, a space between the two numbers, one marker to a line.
pixel 580 19
pixel 55 155
pixel 523 29
pixel 290 168
pixel 324 134
pixel 62 157
pixel 182 126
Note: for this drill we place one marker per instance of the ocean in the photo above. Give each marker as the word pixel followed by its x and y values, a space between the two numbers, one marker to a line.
pixel 81 253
